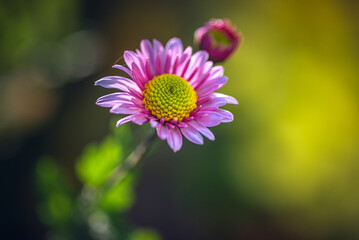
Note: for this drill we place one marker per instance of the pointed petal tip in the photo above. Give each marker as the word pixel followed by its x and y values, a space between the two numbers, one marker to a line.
pixel 145 41
pixel 123 120
pixel 174 139
pixel 211 137
pixel 233 101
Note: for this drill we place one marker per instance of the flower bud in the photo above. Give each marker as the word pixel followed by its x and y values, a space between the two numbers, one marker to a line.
pixel 219 38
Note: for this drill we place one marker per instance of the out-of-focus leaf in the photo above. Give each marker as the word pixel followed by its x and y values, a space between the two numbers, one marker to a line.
pixel 144 234
pixel 56 209
pixel 120 197
pixel 49 177
pixel 97 162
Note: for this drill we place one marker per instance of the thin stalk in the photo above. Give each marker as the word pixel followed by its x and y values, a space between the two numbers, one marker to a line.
pixel 89 195
pixel 130 162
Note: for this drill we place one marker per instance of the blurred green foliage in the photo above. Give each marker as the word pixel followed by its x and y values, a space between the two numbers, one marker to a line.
pixel 120 197
pixel 98 209
pixel 97 162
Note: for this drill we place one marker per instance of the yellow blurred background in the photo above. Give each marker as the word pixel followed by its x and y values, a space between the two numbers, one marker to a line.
pixel 296 78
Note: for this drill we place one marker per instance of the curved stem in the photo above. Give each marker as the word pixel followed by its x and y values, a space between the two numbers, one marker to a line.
pixel 120 171
pixel 89 195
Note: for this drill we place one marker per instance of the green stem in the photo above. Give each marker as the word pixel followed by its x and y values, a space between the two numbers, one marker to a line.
pixel 121 171
pixel 89 195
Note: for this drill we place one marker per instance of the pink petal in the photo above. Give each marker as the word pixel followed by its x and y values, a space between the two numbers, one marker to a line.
pixel 126 70
pixel 207 92
pixel 146 48
pixel 154 123
pixel 149 69
pixel 193 73
pixel 181 125
pixel 123 120
pixel 169 125
pixel 163 131
pixel 137 102
pixel 175 64
pixel 202 100
pixel 124 109
pixel 157 46
pixel 213 104
pixel 184 61
pixel 217 71
pixel 209 119
pixel 228 99
pixel 142 63
pixel 138 76
pixel 139 119
pixel 186 54
pixel 185 67
pixel 158 65
pixel 117 82
pixel 210 86
pixel 113 99
pixel 175 46
pixel 174 139
pixel 202 129
pixel 197 60
pixel 227 116
pixel 192 135
pixel 135 93
pixel 136 118
pixel 218 80
pixel 131 57
pixel 167 63
pixel 149 53
pixel 202 77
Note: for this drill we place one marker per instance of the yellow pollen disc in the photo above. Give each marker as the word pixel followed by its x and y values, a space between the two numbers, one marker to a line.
pixel 170 97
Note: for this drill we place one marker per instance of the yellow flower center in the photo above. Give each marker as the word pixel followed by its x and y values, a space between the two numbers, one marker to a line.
pixel 170 97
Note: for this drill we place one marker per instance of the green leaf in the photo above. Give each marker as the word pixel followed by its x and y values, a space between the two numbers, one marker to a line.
pixel 97 162
pixel 120 197
pixel 56 210
pixel 49 176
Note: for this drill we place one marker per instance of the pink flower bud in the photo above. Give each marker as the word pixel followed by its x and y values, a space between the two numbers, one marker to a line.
pixel 219 38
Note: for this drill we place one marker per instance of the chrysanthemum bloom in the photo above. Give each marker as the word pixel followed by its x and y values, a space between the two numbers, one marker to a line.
pixel 219 38
pixel 171 89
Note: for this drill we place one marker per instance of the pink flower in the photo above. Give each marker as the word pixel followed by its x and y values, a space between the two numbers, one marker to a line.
pixel 171 89
pixel 219 38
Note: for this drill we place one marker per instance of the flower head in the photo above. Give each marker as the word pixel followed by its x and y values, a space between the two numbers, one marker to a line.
pixel 219 38
pixel 171 89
